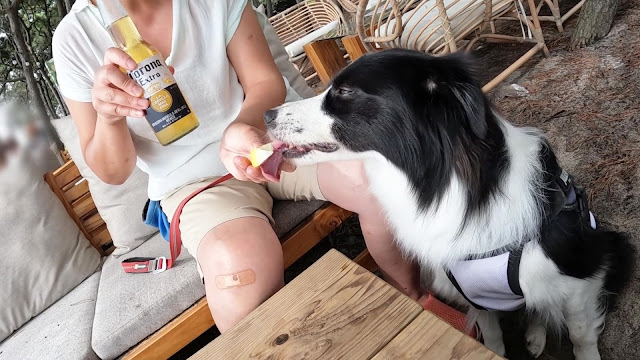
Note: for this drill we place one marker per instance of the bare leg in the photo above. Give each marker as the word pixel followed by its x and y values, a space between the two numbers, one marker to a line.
pixel 345 184
pixel 248 249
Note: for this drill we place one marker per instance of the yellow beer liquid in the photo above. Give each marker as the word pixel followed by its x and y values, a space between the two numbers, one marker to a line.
pixel 129 40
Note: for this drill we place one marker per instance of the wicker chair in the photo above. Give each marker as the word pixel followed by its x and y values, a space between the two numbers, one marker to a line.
pixel 303 23
pixel 350 6
pixel 443 26
pixel 556 16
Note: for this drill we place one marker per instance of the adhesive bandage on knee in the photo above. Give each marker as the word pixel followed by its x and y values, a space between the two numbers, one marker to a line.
pixel 241 278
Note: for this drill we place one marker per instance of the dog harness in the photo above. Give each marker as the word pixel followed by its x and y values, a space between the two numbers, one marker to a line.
pixel 490 281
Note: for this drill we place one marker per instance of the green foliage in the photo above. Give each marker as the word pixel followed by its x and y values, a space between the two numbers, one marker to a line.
pixel 39 19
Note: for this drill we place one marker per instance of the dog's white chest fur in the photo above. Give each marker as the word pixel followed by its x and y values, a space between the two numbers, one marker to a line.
pixel 436 235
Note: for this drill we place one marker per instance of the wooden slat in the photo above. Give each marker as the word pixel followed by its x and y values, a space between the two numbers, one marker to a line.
pixel 428 337
pixel 365 260
pixel 353 46
pixel 309 233
pixel 93 222
pixel 75 192
pixel 326 58
pixel 192 323
pixel 50 179
pixel 83 206
pixel 68 176
pixel 101 235
pixel 335 310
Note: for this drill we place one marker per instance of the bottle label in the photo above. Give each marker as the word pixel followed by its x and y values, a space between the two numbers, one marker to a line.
pixel 167 104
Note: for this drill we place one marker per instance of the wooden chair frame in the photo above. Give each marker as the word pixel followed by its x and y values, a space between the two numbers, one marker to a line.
pixel 556 17
pixel 300 20
pixel 469 29
pixel 73 191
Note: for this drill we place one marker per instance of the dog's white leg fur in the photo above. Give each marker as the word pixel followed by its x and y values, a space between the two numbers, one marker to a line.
pixel 489 323
pixel 536 336
pixel 585 318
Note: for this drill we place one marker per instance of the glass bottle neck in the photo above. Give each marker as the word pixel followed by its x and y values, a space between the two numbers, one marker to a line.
pixel 125 33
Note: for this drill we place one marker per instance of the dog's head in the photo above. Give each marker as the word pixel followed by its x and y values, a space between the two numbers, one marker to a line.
pixel 379 101
pixel 427 115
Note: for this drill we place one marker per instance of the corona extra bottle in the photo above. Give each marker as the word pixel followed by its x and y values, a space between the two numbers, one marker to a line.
pixel 169 114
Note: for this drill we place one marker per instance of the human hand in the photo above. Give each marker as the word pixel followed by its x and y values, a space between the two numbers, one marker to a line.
pixel 114 94
pixel 237 142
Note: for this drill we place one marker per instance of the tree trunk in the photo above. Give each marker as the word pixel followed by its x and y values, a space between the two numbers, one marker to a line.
pixel 68 4
pixel 27 69
pixel 594 23
pixel 269 8
pixel 62 8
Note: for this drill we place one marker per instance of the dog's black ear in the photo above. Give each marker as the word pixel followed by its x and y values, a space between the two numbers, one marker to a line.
pixel 472 102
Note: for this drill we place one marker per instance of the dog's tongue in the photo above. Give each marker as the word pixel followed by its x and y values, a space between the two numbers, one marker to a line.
pixel 270 167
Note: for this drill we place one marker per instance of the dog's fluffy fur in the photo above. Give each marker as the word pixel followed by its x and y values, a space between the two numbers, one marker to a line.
pixel 454 178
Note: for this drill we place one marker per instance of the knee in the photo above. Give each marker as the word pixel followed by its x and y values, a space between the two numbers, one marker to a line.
pixel 256 247
pixel 346 184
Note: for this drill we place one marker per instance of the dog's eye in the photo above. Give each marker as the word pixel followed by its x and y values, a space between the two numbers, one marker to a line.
pixel 345 91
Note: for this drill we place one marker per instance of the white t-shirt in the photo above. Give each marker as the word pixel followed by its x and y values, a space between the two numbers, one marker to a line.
pixel 202 30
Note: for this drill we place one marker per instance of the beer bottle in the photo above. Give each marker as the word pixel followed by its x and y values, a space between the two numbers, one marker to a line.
pixel 169 114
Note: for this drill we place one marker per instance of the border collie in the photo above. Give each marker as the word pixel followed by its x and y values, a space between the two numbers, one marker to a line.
pixel 481 204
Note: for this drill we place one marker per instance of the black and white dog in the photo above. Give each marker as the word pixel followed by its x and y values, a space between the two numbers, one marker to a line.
pixel 480 203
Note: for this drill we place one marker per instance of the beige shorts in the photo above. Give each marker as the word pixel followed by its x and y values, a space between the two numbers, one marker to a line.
pixel 234 199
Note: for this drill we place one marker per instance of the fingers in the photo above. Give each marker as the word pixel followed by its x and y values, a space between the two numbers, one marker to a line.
pixel 112 77
pixel 247 172
pixel 115 56
pixel 114 94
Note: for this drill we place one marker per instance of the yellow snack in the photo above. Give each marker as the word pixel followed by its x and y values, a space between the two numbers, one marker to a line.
pixel 260 154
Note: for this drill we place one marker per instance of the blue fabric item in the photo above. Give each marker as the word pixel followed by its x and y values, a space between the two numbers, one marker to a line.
pixel 157 218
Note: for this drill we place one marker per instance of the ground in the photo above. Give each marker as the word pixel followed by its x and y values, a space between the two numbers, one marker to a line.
pixel 588 103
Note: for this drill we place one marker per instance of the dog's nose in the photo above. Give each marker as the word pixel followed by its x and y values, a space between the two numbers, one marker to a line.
pixel 270 115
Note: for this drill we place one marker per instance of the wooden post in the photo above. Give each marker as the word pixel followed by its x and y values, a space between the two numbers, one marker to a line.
pixel 326 58
pixel 354 46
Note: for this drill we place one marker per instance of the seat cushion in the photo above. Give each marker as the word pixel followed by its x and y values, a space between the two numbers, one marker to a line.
pixel 296 48
pixel 119 206
pixel 130 307
pixel 44 254
pixel 422 26
pixel 62 331
pixel 288 214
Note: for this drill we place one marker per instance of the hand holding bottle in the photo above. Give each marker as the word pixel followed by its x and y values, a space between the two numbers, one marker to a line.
pixel 115 95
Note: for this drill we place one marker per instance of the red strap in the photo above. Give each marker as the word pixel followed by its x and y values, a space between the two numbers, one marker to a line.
pixel 155 265
pixel 175 237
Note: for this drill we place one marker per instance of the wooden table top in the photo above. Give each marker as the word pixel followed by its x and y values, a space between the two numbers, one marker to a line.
pixel 338 310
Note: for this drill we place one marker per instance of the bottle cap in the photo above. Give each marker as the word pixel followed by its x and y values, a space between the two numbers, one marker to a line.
pixel 110 11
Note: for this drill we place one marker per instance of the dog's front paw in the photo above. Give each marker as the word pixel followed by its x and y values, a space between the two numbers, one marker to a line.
pixel 536 337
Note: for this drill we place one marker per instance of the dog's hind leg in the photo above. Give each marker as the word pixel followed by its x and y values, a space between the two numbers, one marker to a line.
pixel 585 317
pixel 536 336
pixel 489 324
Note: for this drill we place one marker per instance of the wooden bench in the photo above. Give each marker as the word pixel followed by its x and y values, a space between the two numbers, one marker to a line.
pixel 73 191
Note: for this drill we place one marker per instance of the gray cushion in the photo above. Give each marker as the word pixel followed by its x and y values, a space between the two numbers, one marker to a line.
pixel 44 254
pixel 119 206
pixel 130 307
pixel 62 331
pixel 288 214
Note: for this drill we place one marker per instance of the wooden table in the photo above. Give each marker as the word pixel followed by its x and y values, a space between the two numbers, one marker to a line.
pixel 338 310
